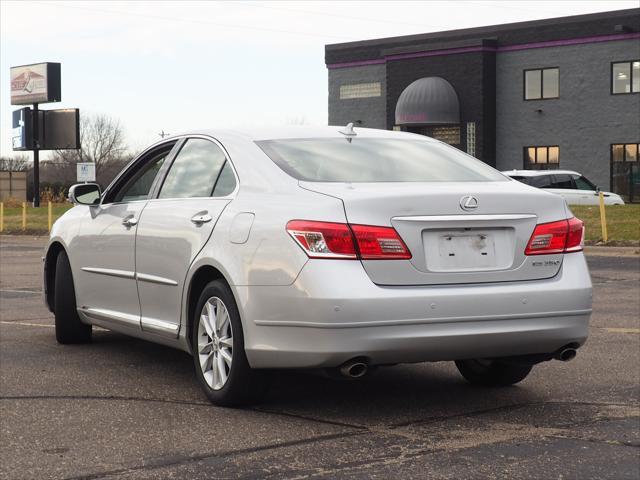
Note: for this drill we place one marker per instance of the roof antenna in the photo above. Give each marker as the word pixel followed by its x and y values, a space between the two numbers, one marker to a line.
pixel 348 132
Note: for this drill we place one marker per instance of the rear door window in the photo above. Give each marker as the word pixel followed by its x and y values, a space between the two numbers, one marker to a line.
pixel 195 170
pixel 541 181
pixel 226 183
pixel 564 181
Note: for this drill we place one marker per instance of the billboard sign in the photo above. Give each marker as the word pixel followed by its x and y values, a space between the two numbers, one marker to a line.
pixel 37 83
pixel 22 134
pixel 59 129
pixel 86 172
pixel 21 129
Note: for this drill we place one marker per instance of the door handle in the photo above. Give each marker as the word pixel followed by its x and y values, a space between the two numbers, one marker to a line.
pixel 199 219
pixel 130 221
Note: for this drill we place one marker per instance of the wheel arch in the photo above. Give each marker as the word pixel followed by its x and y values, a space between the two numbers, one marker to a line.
pixel 203 275
pixel 50 273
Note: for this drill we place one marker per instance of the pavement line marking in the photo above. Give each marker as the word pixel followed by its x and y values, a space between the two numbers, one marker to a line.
pixel 621 330
pixel 45 325
pixel 28 324
pixel 20 291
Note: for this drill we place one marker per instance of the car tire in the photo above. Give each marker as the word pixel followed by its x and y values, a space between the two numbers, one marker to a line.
pixel 212 348
pixel 69 327
pixel 492 373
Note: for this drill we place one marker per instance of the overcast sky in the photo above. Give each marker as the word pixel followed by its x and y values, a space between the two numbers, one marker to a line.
pixel 177 65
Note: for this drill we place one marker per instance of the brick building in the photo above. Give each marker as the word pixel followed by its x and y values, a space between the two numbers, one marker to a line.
pixel 554 93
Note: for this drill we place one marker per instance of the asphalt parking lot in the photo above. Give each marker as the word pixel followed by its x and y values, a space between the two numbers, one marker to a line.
pixel 123 408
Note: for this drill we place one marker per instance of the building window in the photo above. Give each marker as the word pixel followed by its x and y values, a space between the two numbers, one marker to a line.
pixel 625 77
pixel 541 158
pixel 541 83
pixel 625 152
pixel 360 90
pixel 471 138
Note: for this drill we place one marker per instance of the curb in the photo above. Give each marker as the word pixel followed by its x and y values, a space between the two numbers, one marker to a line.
pixel 611 251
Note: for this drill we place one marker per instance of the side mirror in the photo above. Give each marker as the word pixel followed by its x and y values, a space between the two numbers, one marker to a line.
pixel 84 194
pixel 597 189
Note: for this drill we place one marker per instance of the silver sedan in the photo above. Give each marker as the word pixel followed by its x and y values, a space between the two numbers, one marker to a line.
pixel 327 247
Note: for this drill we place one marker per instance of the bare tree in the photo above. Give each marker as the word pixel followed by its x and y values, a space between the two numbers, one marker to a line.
pixel 101 140
pixel 16 163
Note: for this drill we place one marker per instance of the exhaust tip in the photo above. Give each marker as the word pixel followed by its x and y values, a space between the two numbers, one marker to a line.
pixel 354 369
pixel 566 354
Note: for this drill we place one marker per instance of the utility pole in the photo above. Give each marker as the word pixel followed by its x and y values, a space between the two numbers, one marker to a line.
pixel 162 134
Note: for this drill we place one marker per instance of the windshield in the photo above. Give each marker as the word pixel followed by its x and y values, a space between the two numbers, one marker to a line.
pixel 376 160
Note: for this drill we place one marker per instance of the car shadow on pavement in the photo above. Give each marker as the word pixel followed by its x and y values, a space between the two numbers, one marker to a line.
pixel 393 395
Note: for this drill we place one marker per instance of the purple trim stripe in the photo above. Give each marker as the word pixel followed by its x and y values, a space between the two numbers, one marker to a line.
pixel 572 41
pixel 357 63
pixel 507 48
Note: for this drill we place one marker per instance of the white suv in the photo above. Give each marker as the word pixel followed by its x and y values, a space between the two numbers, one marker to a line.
pixel 573 186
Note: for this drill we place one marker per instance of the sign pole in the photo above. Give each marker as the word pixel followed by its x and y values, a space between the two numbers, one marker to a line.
pixel 36 157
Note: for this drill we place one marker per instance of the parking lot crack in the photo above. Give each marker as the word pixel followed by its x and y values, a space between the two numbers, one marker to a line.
pixel 230 453
pixel 105 398
pixel 311 419
pixel 500 408
pixel 596 440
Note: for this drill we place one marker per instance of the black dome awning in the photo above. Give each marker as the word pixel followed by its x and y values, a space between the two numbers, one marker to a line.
pixel 428 101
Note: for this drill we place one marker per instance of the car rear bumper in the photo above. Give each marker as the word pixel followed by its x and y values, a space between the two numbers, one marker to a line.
pixel 333 313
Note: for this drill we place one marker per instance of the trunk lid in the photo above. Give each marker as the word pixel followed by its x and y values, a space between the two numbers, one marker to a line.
pixel 463 232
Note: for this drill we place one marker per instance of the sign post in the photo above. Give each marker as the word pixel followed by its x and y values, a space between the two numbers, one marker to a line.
pixel 36 158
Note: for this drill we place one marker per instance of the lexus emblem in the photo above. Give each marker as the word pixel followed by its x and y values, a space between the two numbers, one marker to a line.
pixel 468 202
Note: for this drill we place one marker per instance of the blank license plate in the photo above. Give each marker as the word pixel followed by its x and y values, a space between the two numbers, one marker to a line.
pixel 468 251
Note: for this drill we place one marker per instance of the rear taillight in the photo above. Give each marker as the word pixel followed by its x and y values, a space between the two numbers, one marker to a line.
pixel 380 243
pixel 556 237
pixel 323 239
pixel 341 240
pixel 575 237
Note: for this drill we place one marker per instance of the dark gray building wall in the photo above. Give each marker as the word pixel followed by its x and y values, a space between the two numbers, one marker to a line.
pixel 370 111
pixel 584 121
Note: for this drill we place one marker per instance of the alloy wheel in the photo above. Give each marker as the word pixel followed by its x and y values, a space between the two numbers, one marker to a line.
pixel 215 343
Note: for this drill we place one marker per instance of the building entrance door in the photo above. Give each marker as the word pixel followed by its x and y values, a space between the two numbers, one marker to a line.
pixel 625 171
pixel 448 134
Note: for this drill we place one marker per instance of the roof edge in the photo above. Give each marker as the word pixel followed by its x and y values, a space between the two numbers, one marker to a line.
pixel 486 29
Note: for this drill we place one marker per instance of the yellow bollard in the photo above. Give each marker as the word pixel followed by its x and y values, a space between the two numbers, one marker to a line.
pixel 1 217
pixel 603 218
pixel 49 215
pixel 24 216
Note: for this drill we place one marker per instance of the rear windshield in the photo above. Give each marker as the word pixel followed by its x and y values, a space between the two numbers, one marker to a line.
pixel 376 160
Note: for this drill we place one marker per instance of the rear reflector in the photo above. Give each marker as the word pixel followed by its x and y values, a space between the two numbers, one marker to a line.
pixel 563 236
pixel 341 240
